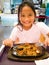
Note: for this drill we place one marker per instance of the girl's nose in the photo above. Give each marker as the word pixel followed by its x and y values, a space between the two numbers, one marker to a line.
pixel 26 18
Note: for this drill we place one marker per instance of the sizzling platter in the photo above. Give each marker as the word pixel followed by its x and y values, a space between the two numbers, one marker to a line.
pixel 28 50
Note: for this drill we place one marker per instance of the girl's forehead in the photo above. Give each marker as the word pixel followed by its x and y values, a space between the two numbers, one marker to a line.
pixel 26 8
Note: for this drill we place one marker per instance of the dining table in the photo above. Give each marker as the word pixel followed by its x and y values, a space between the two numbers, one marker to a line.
pixel 5 61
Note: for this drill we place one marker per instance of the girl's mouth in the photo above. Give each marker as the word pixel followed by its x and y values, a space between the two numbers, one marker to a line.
pixel 26 22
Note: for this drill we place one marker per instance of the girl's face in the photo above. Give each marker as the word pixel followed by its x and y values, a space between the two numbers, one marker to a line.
pixel 26 17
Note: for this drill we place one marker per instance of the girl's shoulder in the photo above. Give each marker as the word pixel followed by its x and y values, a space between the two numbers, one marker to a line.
pixel 40 24
pixel 18 27
pixel 37 23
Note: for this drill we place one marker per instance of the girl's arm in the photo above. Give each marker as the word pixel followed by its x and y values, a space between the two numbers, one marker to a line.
pixel 44 29
pixel 8 42
pixel 47 40
pixel 44 40
pixel 12 39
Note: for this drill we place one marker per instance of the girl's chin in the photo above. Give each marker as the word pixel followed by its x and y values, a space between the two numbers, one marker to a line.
pixel 29 26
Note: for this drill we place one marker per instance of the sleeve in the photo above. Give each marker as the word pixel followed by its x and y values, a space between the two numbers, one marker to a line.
pixel 13 34
pixel 43 27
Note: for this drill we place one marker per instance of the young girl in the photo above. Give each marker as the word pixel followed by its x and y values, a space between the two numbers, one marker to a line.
pixel 27 30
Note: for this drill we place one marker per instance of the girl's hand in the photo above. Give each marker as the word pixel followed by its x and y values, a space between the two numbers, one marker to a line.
pixel 8 42
pixel 46 43
pixel 44 40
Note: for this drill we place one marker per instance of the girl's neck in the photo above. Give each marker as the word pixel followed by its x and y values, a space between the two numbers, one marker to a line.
pixel 27 28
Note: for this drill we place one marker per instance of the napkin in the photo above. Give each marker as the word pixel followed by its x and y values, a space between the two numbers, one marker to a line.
pixel 1 49
pixel 42 62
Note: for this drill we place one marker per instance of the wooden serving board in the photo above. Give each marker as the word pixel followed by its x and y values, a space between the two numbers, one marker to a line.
pixel 11 57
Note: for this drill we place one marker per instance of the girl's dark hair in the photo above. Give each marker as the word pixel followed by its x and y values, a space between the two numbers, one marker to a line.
pixel 30 4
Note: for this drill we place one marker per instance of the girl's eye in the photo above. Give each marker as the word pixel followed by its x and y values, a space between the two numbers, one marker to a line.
pixel 23 15
pixel 30 14
pixel 26 15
